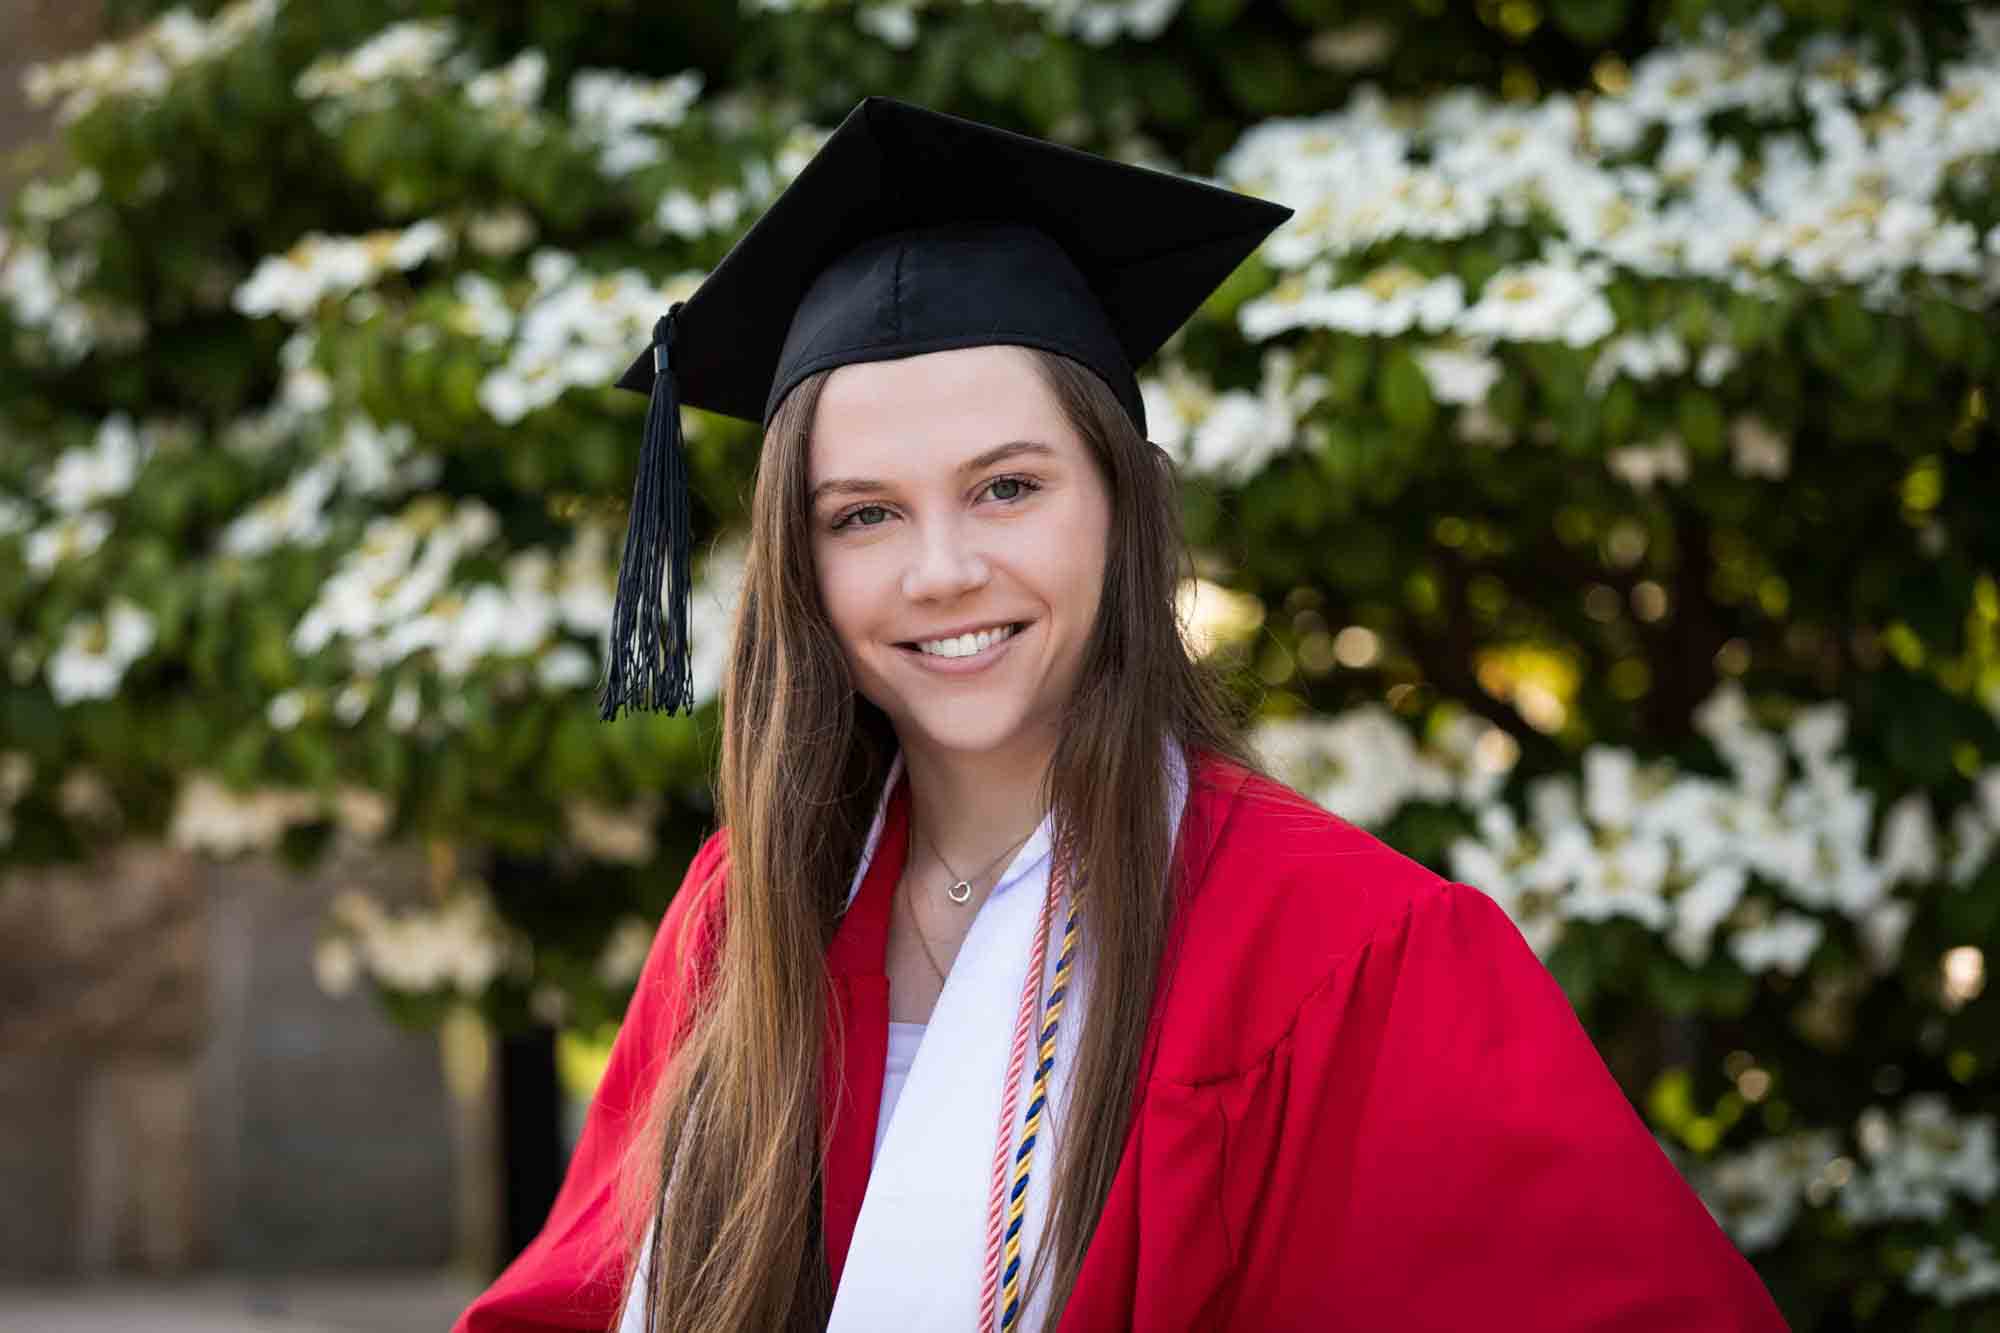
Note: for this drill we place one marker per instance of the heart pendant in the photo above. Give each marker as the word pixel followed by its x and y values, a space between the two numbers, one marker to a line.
pixel 959 892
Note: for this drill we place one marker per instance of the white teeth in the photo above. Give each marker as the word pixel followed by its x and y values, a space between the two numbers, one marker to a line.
pixel 965 645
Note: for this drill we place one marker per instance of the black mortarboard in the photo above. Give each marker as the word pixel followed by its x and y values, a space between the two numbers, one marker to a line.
pixel 910 231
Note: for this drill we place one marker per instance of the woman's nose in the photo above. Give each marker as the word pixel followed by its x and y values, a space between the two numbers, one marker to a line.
pixel 943 564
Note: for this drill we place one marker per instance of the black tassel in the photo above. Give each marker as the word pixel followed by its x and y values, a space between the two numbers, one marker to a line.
pixel 649 666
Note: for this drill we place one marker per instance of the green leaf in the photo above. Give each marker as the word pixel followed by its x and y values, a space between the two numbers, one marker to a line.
pixel 1670 1101
pixel 1351 367
pixel 1876 376
pixel 1214 15
pixel 1589 21
pixel 1942 326
pixel 1676 988
pixel 1620 414
pixel 1405 393
pixel 1699 418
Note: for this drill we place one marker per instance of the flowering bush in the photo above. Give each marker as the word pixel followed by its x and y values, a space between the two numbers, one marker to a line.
pixel 1592 486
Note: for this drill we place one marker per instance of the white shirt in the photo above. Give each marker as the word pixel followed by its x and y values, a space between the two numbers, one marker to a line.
pixel 904 1038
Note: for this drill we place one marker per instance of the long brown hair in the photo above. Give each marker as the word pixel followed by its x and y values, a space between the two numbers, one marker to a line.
pixel 730 1162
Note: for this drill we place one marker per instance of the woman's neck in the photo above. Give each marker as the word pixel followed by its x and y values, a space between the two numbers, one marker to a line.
pixel 973 807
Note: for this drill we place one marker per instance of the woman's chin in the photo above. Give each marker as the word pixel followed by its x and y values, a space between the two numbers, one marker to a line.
pixel 968 727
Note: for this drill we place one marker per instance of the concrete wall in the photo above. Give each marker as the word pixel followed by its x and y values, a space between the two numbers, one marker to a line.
pixel 32 31
pixel 177 1093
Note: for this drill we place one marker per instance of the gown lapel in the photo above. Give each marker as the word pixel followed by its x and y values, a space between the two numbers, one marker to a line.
pixel 857 1029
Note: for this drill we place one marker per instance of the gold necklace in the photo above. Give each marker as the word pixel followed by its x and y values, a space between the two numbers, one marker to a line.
pixel 923 944
pixel 960 890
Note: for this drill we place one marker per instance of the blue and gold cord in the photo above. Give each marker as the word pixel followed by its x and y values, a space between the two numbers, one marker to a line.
pixel 1017 1197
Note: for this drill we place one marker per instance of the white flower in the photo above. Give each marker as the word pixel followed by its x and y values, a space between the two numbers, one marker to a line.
pixel 1362 765
pixel 1972 842
pixel 1757 450
pixel 319 266
pixel 1989 795
pixel 460 946
pixel 624 837
pixel 1755 1194
pixel 363 813
pixel 1542 303
pixel 102 471
pixel 292 516
pixel 565 667
pixel 1909 842
pixel 1639 466
pixel 1937 1145
pixel 1392 300
pixel 1458 377
pixel 1717 360
pixel 681 213
pixel 625 950
pixel 894 24
pixel 1353 46
pixel 143 65
pixel 1627 880
pixel 409 50
pixel 1701 907
pixel 613 110
pixel 518 83
pixel 71 537
pixel 1817 732
pixel 336 967
pixel 1964 1270
pixel 482 311
pixel 504 231
pixel 208 817
pixel 1882 931
pixel 286 710
pixel 1918 1160
pixel 50 201
pixel 403 707
pixel 1785 944
pixel 1610 786
pixel 712 611
pixel 1639 356
pixel 15 517
pixel 96 653
pixel 577 328
pixel 1231 435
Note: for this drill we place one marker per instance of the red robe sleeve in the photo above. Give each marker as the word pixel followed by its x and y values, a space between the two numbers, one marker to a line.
pixel 1436 1145
pixel 572 1275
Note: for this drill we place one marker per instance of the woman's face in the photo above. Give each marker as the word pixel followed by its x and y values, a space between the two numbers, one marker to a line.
pixel 959 535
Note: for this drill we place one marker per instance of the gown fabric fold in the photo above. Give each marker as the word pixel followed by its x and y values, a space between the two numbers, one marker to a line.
pixel 1364 1104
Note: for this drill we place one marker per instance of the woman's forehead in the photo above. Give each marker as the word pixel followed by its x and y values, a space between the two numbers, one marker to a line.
pixel 931 413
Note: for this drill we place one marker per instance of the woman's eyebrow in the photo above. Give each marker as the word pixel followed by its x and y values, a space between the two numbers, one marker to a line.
pixel 869 486
pixel 1003 451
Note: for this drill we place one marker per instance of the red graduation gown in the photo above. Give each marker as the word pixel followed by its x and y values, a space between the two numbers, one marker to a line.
pixel 1364 1105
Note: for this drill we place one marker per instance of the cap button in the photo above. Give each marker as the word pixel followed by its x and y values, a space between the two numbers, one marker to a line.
pixel 663 337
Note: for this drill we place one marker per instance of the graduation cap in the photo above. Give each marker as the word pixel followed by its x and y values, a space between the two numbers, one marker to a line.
pixel 910 231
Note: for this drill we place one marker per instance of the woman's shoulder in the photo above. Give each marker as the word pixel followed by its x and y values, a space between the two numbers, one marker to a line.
pixel 1257 846
pixel 1280 897
pixel 689 933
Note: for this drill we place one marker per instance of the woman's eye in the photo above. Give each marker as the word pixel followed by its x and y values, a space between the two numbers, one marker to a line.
pixel 1017 488
pixel 867 516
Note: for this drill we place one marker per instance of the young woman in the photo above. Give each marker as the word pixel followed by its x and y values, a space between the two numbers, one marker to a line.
pixel 1010 994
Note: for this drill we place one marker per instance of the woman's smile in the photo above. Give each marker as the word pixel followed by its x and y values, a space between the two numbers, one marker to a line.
pixel 965 654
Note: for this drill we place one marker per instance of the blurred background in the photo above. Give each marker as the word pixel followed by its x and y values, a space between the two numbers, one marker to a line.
pixel 1595 486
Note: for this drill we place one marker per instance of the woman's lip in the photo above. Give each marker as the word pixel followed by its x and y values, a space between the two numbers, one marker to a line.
pixel 962 666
